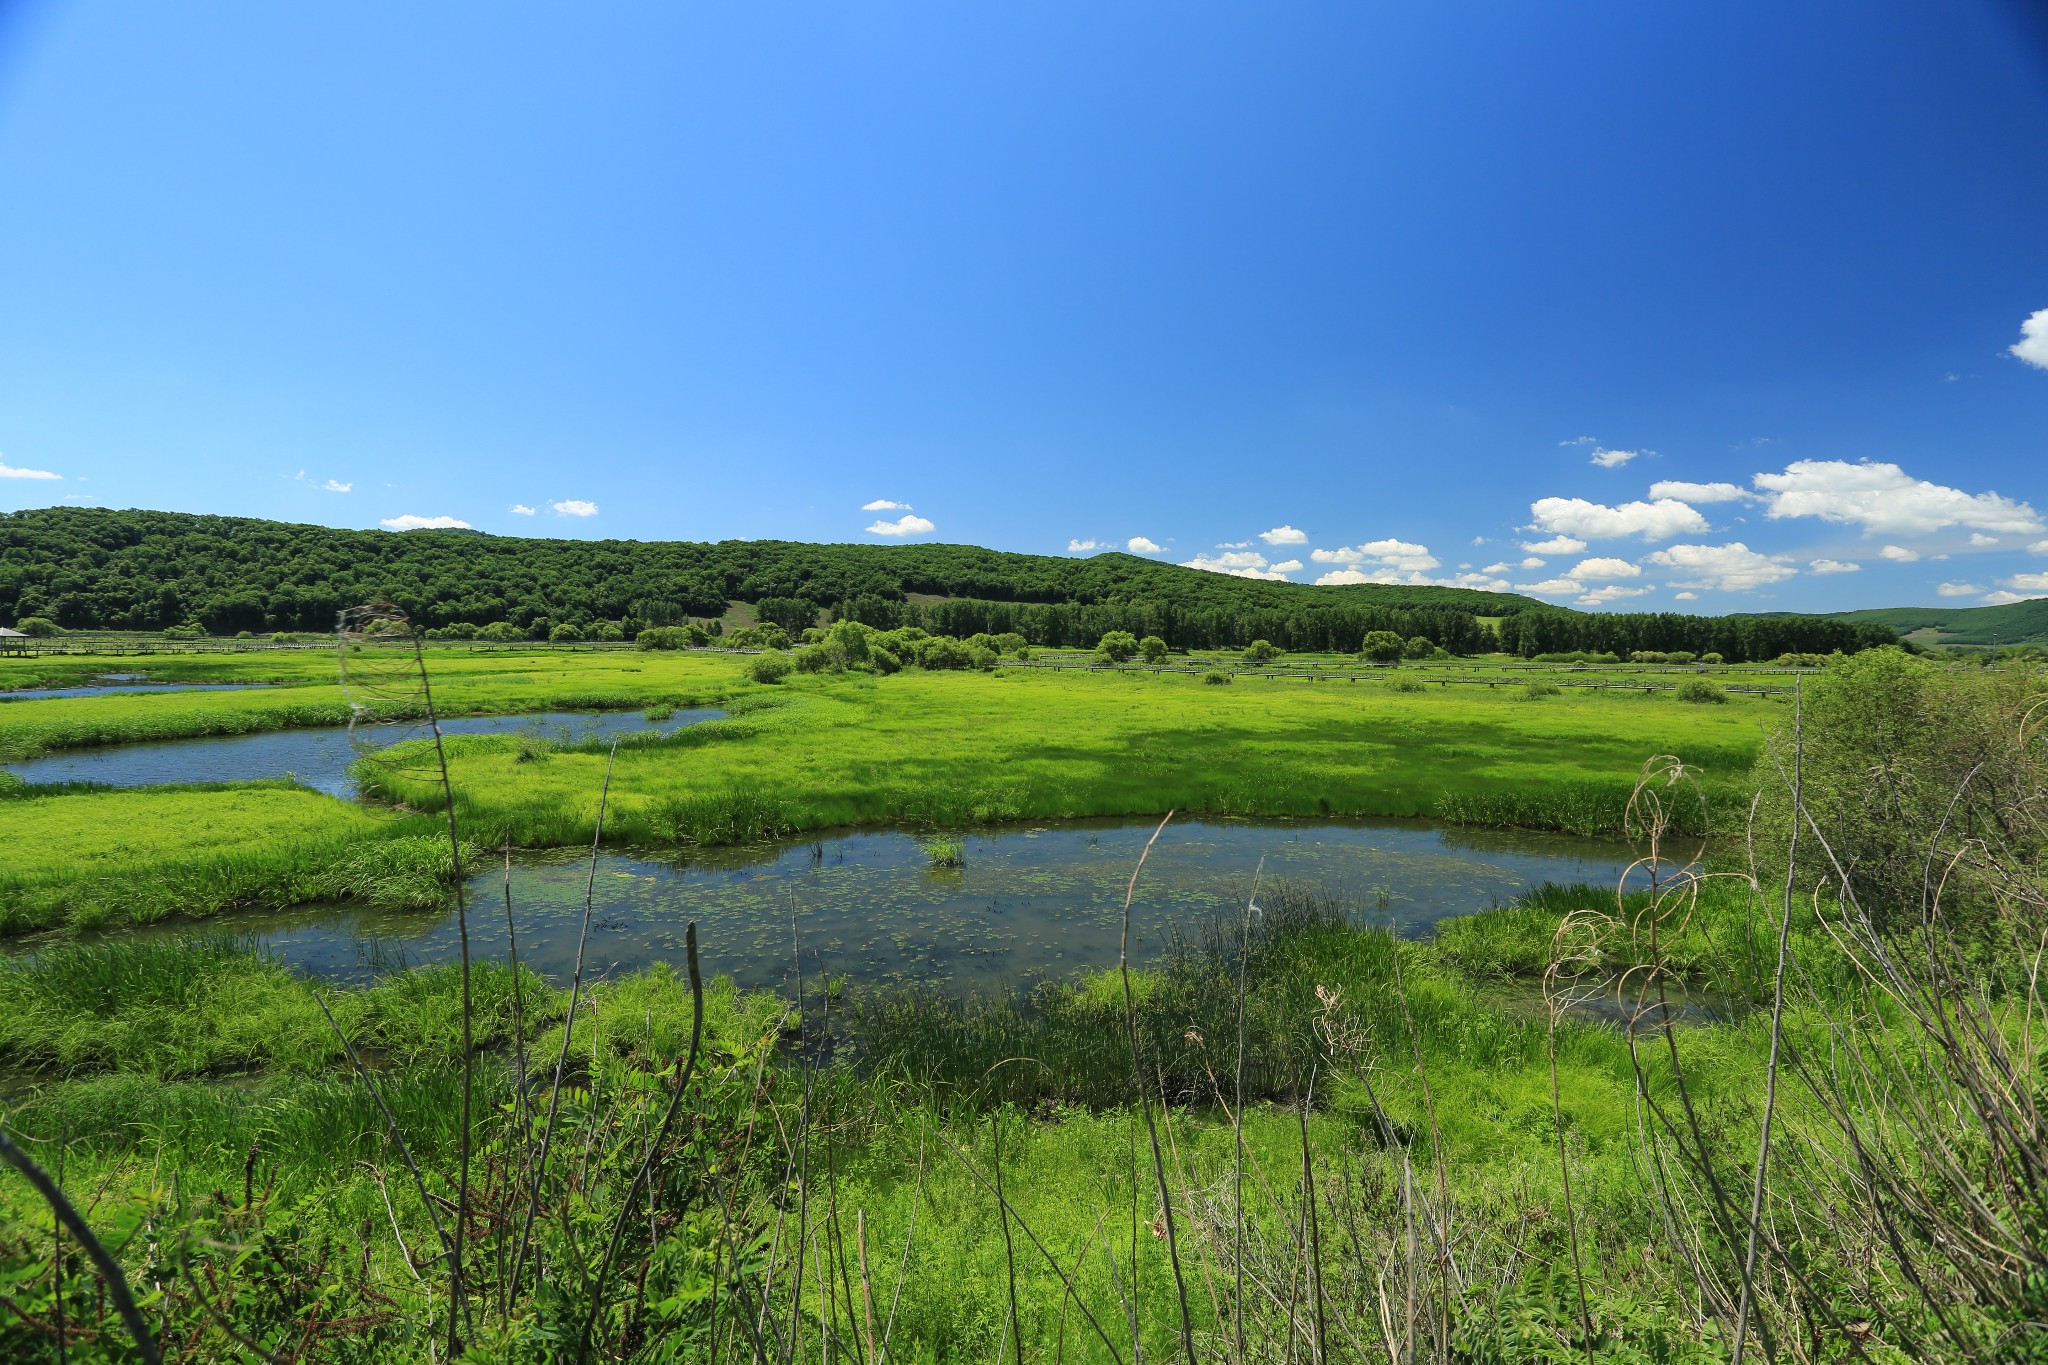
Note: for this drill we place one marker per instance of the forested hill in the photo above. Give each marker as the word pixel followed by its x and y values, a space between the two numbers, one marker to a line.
pixel 97 568
pixel 92 567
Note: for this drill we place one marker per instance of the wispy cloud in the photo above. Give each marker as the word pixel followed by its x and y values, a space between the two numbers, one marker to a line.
pixel 520 509
pixel 410 522
pixel 1615 459
pixel 1082 547
pixel 1556 545
pixel 1833 566
pixel 1959 589
pixel 8 471
pixel 905 525
pixel 884 505
pixel 337 486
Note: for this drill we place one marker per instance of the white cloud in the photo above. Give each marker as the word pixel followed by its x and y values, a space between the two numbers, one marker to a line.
pixel 336 486
pixel 520 509
pixel 1833 566
pixel 1142 545
pixel 1615 459
pixel 1236 563
pixel 1532 562
pixel 1686 596
pixel 1605 568
pixel 1556 545
pixel 1404 555
pixel 1958 589
pixel 1552 587
pixel 2027 582
pixel 409 522
pixel 1288 566
pixel 1581 441
pixel 1612 592
pixel 2002 598
pixel 574 507
pixel 8 471
pixel 1733 567
pixel 1082 547
pixel 1699 492
pixel 1658 520
pixel 2032 346
pixel 905 525
pixel 2039 547
pixel 1980 541
pixel 884 505
pixel 1284 535
pixel 1235 545
pixel 1479 540
pixel 1899 554
pixel 1883 497
pixel 1396 578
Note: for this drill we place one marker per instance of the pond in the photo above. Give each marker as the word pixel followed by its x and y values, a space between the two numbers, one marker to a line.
pixel 1030 901
pixel 319 758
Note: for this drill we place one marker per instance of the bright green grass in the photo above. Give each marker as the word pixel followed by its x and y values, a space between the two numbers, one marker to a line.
pixel 947 749
pixel 307 693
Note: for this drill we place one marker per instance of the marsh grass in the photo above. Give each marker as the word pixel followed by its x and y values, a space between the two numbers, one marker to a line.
pixel 944 852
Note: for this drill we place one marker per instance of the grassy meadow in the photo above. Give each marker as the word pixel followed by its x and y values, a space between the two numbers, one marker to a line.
pixel 1560 1129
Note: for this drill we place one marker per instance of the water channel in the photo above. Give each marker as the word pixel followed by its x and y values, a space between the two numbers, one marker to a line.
pixel 319 758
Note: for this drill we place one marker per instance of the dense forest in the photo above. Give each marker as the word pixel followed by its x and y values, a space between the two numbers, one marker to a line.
pixel 98 568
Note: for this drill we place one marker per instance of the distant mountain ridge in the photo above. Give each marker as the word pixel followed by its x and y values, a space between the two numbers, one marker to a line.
pixel 2014 623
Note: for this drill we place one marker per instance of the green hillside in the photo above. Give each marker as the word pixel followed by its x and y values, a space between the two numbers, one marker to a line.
pixel 97 568
pixel 2016 623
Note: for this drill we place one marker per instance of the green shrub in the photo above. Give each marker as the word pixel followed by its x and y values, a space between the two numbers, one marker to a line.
pixel 945 853
pixel 1152 648
pixel 1381 646
pixel 1405 685
pixel 1011 643
pixel 1711 658
pixel 770 667
pixel 1216 677
pixel 943 651
pixel 566 634
pixel 609 632
pixel 500 632
pixel 1261 651
pixel 1535 690
pixel 1418 647
pixel 1701 692
pixel 767 636
pixel 883 661
pixel 42 627
pixel 1117 646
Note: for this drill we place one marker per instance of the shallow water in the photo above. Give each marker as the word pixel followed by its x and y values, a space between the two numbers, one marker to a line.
pixel 116 685
pixel 1032 901
pixel 319 758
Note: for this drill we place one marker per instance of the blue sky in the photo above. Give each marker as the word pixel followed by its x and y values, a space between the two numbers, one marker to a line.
pixel 1707 303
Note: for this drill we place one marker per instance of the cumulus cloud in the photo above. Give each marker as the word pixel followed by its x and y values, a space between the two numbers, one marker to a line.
pixel 1615 459
pixel 884 505
pixel 1605 568
pixel 2002 598
pixel 574 507
pixel 409 522
pixel 1884 498
pixel 1958 589
pixel 1658 520
pixel 1396 578
pixel 1082 547
pixel 1284 535
pixel 1899 554
pixel 1833 566
pixel 1552 587
pixel 2027 582
pixel 2039 547
pixel 1236 563
pixel 1699 492
pixel 2032 346
pixel 1142 545
pixel 1733 567
pixel 905 525
pixel 336 486
pixel 1556 545
pixel 1686 596
pixel 1612 592
pixel 1288 566
pixel 1403 555
pixel 8 471
pixel 1532 562
pixel 1980 541
pixel 520 509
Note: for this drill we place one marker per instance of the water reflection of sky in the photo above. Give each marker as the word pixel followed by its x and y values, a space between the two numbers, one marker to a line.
pixel 318 758
pixel 1031 901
